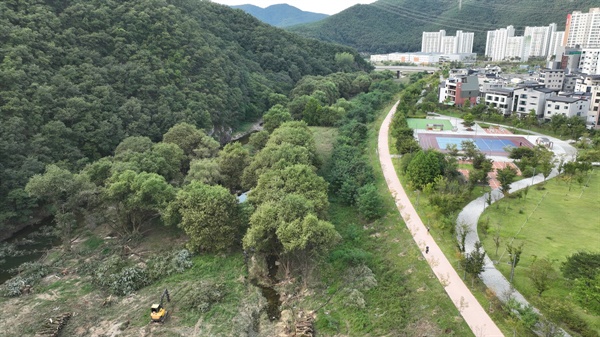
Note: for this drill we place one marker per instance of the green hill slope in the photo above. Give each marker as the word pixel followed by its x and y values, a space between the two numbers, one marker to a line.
pixel 282 15
pixel 397 25
pixel 77 77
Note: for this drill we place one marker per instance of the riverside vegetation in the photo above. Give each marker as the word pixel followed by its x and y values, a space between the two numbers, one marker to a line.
pixel 158 214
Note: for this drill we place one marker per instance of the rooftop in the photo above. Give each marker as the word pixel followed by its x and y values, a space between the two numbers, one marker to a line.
pixel 563 99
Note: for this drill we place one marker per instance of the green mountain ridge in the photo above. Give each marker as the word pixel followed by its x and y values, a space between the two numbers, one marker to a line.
pixel 281 15
pixel 388 26
pixel 77 77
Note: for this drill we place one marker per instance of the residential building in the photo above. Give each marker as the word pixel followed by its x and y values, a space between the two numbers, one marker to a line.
pixel 531 97
pixel 591 84
pixel 495 46
pixel 464 42
pixel 502 44
pixel 589 62
pixel 583 29
pixel 552 78
pixel 439 42
pixel 431 42
pixel 570 60
pixel 458 90
pixel 556 47
pixel 566 106
pixel 569 83
pixel 540 39
pixel 501 99
pixel 517 48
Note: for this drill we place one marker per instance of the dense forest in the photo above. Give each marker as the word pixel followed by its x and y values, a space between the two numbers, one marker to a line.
pixel 78 77
pixel 388 26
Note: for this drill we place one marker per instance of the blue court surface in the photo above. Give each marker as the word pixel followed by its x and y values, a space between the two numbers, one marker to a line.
pixel 490 145
pixel 481 143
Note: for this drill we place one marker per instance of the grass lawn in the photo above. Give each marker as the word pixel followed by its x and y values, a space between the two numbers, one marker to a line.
pixel 421 124
pixel 324 138
pixel 566 221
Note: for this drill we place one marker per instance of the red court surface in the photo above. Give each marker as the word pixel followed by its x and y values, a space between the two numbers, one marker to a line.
pixel 497 131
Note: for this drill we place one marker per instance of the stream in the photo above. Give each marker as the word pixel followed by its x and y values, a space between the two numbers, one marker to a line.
pixel 26 245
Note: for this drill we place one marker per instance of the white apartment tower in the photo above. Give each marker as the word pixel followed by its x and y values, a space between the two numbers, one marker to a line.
pixel 438 42
pixel 432 41
pixel 556 47
pixel 540 39
pixel 495 46
pixel 464 42
pixel 583 29
pixel 518 48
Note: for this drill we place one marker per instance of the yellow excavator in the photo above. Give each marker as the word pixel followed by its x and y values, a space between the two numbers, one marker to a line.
pixel 158 313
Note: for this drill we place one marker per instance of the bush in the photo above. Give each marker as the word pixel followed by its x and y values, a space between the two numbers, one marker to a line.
pixel 202 296
pixel 128 280
pixel 29 274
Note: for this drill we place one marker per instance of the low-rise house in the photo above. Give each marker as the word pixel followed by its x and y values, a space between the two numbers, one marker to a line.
pixel 458 90
pixel 566 106
pixel 531 97
pixel 552 78
pixel 501 99
pixel 569 83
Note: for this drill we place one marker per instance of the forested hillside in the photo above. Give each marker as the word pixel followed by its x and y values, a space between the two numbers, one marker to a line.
pixel 281 15
pixel 77 77
pixel 389 26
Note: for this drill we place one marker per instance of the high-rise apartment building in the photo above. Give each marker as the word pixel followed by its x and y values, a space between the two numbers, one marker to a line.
pixel 540 39
pixel 495 46
pixel 517 48
pixel 556 47
pixel 438 42
pixel 583 29
pixel 432 41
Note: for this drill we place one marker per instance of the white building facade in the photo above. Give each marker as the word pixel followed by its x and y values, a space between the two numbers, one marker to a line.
pixel 556 47
pixel 431 42
pixel 439 42
pixel 583 29
pixel 540 39
pixel 566 106
pixel 552 78
pixel 495 46
pixel 589 63
pixel 531 98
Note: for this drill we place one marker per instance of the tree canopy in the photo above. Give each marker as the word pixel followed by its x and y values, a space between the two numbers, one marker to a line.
pixel 79 77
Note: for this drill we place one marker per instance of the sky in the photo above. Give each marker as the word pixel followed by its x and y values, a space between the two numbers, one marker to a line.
pixel 316 6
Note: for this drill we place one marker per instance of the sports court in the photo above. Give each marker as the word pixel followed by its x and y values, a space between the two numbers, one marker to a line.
pixel 429 124
pixel 490 145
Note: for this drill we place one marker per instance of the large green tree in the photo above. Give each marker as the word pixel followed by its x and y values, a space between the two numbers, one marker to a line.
pixel 232 160
pixel 66 195
pixel 137 199
pixel 210 216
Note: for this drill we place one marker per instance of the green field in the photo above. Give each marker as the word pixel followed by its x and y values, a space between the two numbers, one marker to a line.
pixel 566 221
pixel 421 124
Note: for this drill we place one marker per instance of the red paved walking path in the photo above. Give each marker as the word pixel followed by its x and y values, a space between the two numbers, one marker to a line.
pixel 473 313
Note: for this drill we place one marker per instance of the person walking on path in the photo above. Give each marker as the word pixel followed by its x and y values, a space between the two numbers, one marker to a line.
pixel 473 313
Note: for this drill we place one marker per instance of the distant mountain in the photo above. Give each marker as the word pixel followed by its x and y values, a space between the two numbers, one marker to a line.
pixel 281 15
pixel 387 26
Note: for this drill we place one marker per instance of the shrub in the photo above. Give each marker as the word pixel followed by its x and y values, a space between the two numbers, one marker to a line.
pixel 202 296
pixel 128 280
pixel 29 274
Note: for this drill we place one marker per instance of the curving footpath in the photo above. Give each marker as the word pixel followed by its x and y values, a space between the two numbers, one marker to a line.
pixel 492 277
pixel 473 313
